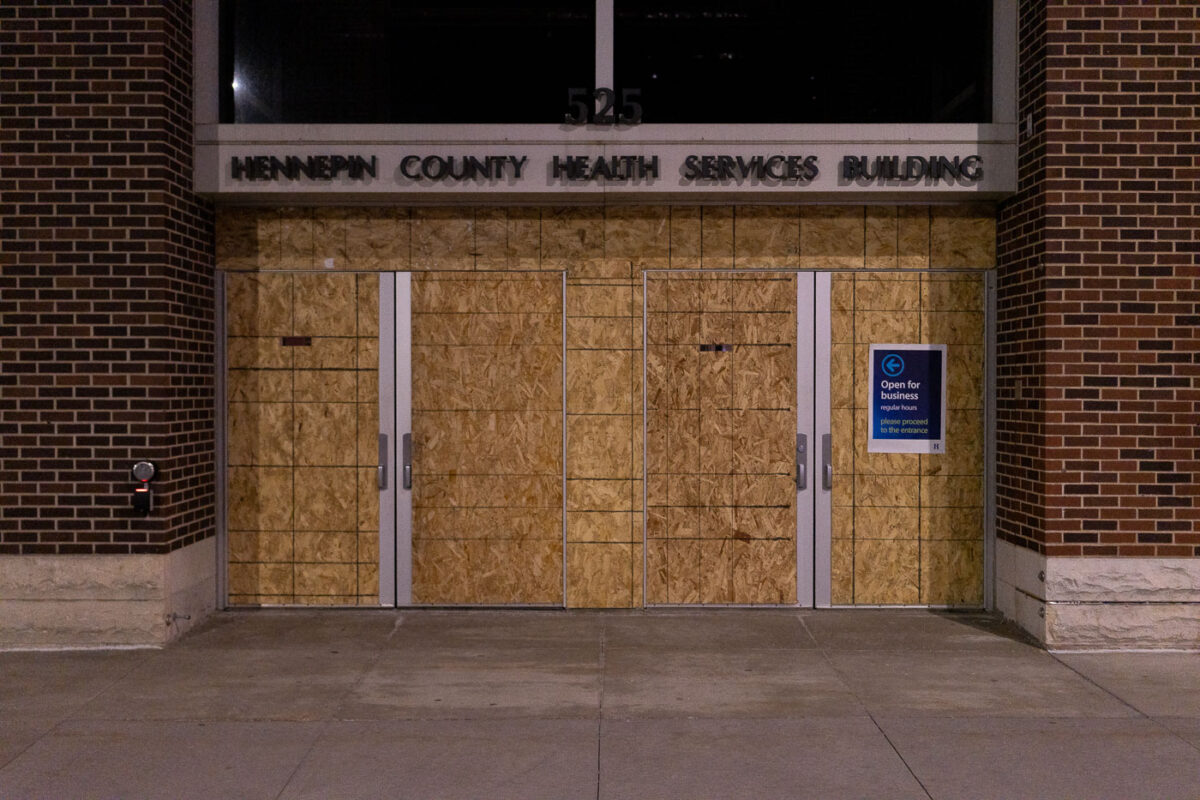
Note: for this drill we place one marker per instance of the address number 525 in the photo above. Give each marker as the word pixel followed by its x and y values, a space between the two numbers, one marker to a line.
pixel 600 107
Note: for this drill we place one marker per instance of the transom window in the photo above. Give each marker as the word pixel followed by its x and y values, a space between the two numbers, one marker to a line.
pixel 681 61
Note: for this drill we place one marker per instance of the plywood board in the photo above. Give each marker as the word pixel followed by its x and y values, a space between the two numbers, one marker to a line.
pixel 602 575
pixel 497 377
pixel 695 402
pixel 832 237
pixel 766 236
pixel 889 506
pixel 963 236
pixel 442 238
pixel 721 520
pixel 500 572
pixel 301 440
pixel 487 438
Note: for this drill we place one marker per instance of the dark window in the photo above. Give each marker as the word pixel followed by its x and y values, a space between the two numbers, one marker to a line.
pixel 762 61
pixel 378 61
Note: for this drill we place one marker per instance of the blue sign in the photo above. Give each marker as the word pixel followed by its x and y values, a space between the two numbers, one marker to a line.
pixel 907 411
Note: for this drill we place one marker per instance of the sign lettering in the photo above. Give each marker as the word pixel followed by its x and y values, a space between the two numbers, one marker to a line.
pixel 790 170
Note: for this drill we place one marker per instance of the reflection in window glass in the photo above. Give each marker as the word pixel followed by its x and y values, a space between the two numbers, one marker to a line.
pixel 379 61
pixel 857 61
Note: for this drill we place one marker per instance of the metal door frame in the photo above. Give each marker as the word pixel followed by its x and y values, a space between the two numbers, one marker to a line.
pixel 821 480
pixel 395 420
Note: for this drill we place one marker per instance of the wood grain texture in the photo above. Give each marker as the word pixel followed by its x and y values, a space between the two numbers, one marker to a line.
pixel 378 239
pixel 603 574
pixel 888 506
pixel 302 425
pixel 962 236
pixel 721 520
pixel 442 238
pixel 481 572
pixel 886 571
pixel 952 572
pixel 258 304
pixel 297 243
pixel 700 407
pixel 488 431
pixel 832 237
pixel 766 237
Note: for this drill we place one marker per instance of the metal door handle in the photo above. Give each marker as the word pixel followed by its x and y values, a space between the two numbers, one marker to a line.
pixel 801 462
pixel 406 459
pixel 381 477
pixel 827 460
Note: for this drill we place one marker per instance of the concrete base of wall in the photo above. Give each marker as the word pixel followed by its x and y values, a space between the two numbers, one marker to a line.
pixel 1100 603
pixel 99 601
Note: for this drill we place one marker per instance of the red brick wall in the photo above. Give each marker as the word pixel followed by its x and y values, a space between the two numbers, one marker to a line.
pixel 1020 327
pixel 106 280
pixel 1099 285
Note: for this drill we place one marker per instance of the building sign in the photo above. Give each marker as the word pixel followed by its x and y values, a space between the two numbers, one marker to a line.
pixel 589 163
pixel 712 169
pixel 907 409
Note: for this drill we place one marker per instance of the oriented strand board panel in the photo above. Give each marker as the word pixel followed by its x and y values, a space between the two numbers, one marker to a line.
pixel 908 528
pixel 487 376
pixel 303 512
pixel 604 405
pixel 721 424
pixel 280 393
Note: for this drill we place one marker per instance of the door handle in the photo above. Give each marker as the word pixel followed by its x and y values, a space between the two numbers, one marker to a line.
pixel 381 477
pixel 801 462
pixel 827 460
pixel 406 456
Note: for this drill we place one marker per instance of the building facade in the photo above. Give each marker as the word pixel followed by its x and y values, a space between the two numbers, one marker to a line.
pixel 494 355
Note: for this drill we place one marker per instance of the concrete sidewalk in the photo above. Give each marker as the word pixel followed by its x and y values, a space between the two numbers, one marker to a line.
pixel 743 704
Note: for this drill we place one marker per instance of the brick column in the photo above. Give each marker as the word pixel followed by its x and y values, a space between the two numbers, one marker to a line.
pixel 1098 352
pixel 106 283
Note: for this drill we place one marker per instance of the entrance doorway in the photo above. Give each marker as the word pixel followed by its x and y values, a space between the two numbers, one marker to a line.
pixel 754 484
pixel 472 396
pixel 737 413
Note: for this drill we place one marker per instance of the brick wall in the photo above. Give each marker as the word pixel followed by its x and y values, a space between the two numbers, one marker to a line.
pixel 1020 328
pixel 106 335
pixel 1099 285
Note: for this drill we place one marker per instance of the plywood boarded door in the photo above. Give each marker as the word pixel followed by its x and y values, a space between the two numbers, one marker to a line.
pixel 721 417
pixel 487 438
pixel 302 416
pixel 908 529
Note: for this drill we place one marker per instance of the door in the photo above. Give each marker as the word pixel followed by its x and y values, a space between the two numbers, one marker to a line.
pixel 908 527
pixel 474 505
pixel 735 415
pixel 300 357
